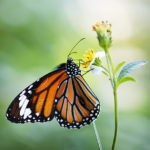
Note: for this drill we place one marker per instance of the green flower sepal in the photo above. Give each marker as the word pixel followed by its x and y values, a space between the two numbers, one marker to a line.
pixel 97 62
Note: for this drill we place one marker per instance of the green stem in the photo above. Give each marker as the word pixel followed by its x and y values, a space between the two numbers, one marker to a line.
pixel 109 71
pixel 116 119
pixel 114 86
pixel 97 136
pixel 112 67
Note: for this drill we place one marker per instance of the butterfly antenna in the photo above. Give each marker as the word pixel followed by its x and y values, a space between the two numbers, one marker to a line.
pixel 74 47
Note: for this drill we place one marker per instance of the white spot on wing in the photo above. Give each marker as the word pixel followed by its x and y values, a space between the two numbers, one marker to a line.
pixel 30 86
pixel 21 103
pixel 37 114
pixel 27 113
pixel 93 118
pixel 24 107
pixel 80 125
pixel 30 116
pixel 22 97
pixel 22 93
pixel 77 123
pixel 30 92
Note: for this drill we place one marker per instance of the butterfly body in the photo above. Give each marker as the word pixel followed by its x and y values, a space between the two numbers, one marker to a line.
pixel 62 94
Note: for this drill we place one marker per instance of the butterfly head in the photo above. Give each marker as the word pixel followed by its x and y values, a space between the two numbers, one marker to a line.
pixel 69 60
pixel 72 68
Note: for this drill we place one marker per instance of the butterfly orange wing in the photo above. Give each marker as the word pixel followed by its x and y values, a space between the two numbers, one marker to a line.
pixel 76 104
pixel 35 103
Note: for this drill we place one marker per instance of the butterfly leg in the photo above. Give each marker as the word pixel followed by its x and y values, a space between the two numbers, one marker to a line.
pixel 80 60
pixel 88 71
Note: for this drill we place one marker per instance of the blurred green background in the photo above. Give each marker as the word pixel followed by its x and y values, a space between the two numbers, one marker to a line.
pixel 36 36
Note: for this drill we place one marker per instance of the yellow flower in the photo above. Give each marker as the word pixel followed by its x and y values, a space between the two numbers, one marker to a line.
pixel 88 58
pixel 93 60
pixel 104 34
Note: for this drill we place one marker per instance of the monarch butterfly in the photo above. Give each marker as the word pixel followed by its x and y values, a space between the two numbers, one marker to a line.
pixel 62 93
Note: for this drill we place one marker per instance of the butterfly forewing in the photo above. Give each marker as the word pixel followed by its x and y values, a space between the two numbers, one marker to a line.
pixel 35 103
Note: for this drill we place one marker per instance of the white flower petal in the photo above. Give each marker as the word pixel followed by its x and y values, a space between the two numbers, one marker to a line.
pixel 100 54
pixel 91 62
pixel 96 70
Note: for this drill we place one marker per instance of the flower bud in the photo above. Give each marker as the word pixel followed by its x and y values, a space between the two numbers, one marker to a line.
pixel 104 34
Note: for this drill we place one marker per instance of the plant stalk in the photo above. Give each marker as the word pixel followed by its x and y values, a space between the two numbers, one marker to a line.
pixel 116 119
pixel 97 136
pixel 114 86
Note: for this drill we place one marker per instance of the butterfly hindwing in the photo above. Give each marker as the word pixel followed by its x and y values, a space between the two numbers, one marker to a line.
pixel 76 104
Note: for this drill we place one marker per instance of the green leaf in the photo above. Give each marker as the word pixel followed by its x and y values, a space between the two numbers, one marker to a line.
pixel 119 66
pixel 125 79
pixel 130 68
